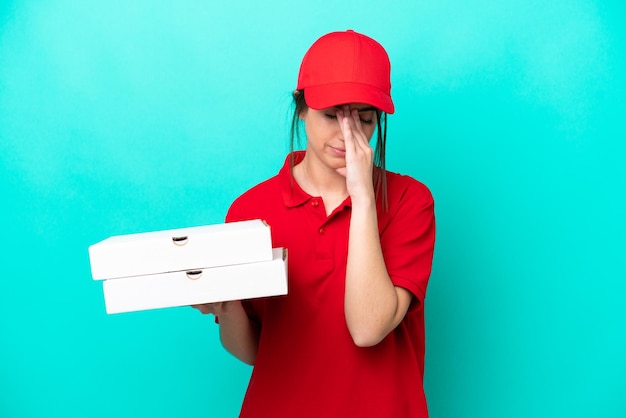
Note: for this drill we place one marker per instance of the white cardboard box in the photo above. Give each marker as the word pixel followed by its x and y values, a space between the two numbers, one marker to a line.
pixel 181 249
pixel 181 288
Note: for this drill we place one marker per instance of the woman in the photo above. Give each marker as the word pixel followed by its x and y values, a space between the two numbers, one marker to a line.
pixel 348 339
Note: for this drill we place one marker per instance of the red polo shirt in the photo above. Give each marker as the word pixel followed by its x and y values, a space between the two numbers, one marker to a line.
pixel 307 364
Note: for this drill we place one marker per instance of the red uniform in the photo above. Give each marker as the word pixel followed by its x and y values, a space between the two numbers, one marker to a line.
pixel 307 364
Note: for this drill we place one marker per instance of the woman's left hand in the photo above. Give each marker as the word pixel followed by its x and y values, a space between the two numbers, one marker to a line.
pixel 359 155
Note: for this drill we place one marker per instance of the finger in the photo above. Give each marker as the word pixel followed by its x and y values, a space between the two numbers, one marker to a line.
pixel 357 128
pixel 218 308
pixel 359 122
pixel 352 128
pixel 346 131
pixel 203 308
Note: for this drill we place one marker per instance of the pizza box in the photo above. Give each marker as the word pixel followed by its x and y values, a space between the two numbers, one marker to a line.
pixel 181 249
pixel 192 287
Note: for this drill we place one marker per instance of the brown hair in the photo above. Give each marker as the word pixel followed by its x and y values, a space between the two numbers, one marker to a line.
pixel 379 178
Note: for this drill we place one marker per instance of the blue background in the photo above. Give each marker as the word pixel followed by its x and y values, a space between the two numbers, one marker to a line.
pixel 130 116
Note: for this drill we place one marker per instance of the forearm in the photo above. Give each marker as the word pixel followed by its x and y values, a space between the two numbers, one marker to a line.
pixel 373 305
pixel 239 335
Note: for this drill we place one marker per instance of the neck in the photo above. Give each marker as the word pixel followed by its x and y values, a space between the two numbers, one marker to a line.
pixel 320 181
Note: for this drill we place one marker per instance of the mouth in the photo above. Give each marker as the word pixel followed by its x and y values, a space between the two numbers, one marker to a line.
pixel 338 151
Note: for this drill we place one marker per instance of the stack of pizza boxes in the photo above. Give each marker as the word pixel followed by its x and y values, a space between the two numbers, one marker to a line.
pixel 189 266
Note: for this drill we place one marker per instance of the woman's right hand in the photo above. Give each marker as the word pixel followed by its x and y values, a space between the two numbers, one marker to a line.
pixel 218 308
pixel 239 335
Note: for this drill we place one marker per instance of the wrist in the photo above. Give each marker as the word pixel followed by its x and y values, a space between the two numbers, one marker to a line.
pixel 365 201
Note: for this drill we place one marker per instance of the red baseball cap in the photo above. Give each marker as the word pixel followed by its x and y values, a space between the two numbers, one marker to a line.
pixel 346 67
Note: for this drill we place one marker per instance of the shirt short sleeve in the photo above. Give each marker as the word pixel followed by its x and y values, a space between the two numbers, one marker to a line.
pixel 408 236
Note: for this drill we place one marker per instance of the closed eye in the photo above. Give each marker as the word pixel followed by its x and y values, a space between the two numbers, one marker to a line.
pixel 363 121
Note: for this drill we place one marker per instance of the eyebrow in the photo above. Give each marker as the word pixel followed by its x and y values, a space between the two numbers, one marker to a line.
pixel 365 109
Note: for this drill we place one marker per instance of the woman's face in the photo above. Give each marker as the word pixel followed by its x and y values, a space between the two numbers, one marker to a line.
pixel 324 138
